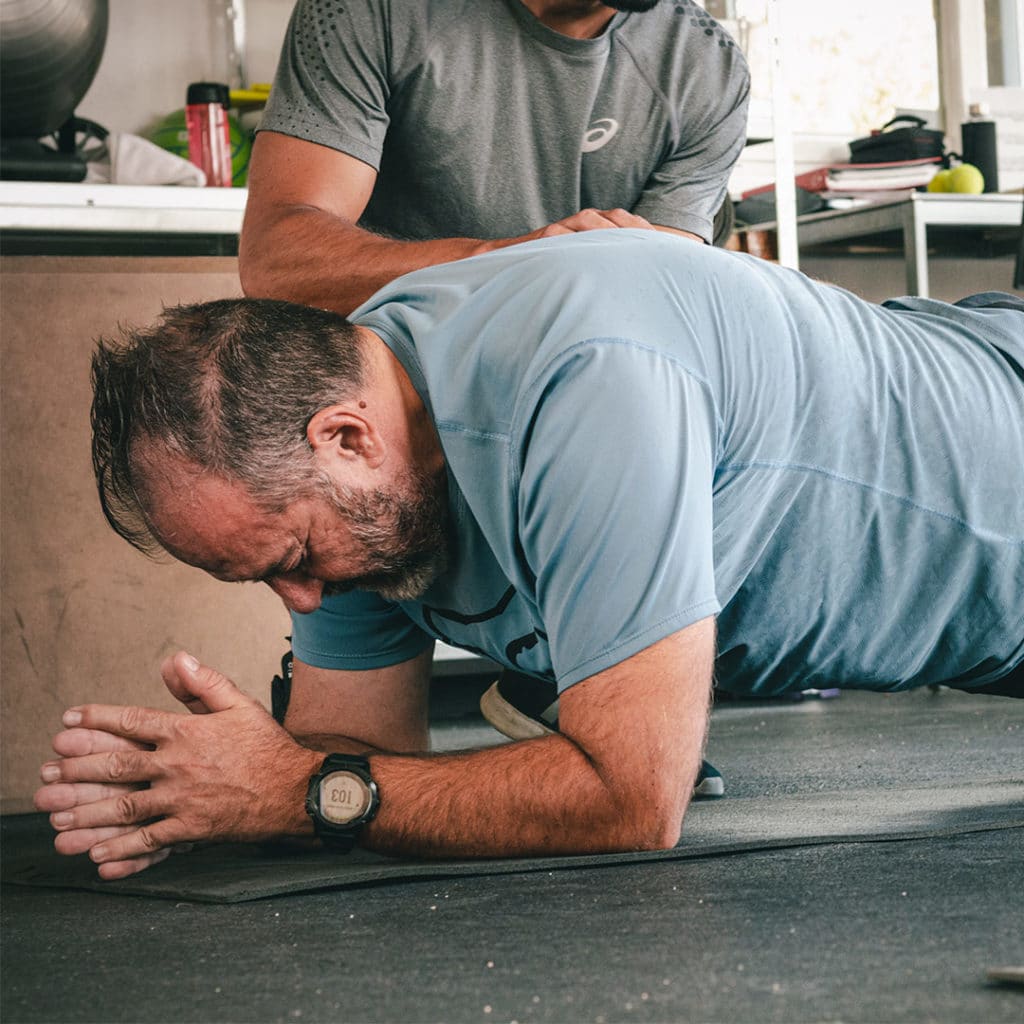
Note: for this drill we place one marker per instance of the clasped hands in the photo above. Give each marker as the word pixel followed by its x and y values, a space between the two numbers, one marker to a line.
pixel 131 783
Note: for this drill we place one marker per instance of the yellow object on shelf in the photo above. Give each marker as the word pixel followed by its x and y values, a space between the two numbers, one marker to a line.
pixel 966 178
pixel 254 96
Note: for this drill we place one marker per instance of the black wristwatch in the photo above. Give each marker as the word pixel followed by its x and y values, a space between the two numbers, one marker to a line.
pixel 342 797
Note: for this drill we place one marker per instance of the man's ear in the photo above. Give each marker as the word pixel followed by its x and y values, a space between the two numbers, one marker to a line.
pixel 338 431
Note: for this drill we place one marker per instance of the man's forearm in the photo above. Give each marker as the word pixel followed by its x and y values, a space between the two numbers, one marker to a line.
pixel 309 256
pixel 305 254
pixel 530 798
pixel 619 776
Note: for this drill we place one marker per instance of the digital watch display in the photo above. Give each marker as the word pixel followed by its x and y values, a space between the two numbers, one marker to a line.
pixel 342 797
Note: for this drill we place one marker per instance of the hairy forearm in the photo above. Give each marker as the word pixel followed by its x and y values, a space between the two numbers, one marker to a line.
pixel 535 797
pixel 618 776
pixel 309 256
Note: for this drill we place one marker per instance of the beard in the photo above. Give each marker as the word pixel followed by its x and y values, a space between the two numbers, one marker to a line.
pixel 403 531
pixel 631 6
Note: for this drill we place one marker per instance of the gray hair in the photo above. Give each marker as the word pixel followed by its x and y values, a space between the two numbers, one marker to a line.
pixel 229 386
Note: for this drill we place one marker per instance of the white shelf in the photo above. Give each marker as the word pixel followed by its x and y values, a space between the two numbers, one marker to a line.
pixel 912 216
pixel 59 206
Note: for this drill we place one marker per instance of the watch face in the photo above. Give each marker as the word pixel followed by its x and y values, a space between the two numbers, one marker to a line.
pixel 344 797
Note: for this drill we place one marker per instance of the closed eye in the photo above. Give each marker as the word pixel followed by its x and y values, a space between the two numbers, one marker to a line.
pixel 292 564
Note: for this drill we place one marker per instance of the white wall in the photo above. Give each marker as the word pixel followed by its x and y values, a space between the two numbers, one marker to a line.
pixel 154 49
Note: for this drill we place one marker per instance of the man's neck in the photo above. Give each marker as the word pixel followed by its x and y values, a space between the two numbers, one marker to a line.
pixel 580 19
pixel 396 405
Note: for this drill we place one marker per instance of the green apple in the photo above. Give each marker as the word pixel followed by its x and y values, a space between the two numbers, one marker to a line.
pixel 966 178
pixel 940 183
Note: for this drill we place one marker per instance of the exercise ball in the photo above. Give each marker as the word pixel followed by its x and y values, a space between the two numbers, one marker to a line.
pixel 51 50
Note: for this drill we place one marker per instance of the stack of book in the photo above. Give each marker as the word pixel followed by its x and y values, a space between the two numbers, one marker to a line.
pixel 842 185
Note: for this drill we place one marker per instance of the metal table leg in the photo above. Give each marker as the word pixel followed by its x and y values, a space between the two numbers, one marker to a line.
pixel 915 250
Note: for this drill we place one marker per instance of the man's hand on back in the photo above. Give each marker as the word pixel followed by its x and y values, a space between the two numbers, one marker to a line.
pixel 591 220
pixel 301 239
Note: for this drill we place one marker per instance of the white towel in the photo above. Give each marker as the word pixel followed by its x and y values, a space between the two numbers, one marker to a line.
pixel 133 160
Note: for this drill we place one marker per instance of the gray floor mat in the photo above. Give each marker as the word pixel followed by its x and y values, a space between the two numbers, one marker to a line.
pixel 864 768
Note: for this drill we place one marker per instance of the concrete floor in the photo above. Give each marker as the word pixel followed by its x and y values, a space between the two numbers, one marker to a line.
pixel 893 931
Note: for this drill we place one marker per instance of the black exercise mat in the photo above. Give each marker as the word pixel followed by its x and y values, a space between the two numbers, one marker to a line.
pixel 232 874
pixel 861 769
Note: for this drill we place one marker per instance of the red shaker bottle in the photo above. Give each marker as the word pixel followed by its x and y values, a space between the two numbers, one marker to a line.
pixel 209 135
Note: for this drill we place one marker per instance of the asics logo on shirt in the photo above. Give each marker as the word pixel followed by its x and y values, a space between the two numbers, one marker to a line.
pixel 600 132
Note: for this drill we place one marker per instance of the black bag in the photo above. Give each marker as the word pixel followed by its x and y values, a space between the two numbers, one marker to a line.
pixel 910 143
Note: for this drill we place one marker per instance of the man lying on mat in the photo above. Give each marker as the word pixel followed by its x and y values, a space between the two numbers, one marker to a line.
pixel 618 464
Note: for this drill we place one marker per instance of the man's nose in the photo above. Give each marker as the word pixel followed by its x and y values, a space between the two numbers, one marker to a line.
pixel 299 594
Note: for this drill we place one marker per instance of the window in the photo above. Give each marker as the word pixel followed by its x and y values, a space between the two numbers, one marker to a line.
pixel 850 67
pixel 1004 22
pixel 982 57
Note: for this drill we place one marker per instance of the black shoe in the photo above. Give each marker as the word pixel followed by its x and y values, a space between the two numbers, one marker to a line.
pixel 525 708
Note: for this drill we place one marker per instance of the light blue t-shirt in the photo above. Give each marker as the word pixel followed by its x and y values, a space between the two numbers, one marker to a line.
pixel 641 432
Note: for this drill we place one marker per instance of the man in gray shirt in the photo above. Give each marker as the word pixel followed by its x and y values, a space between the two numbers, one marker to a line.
pixel 402 135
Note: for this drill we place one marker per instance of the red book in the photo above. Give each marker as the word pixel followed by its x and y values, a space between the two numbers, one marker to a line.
pixel 812 181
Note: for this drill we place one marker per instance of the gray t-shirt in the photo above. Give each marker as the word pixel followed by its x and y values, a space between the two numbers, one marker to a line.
pixel 641 432
pixel 484 123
